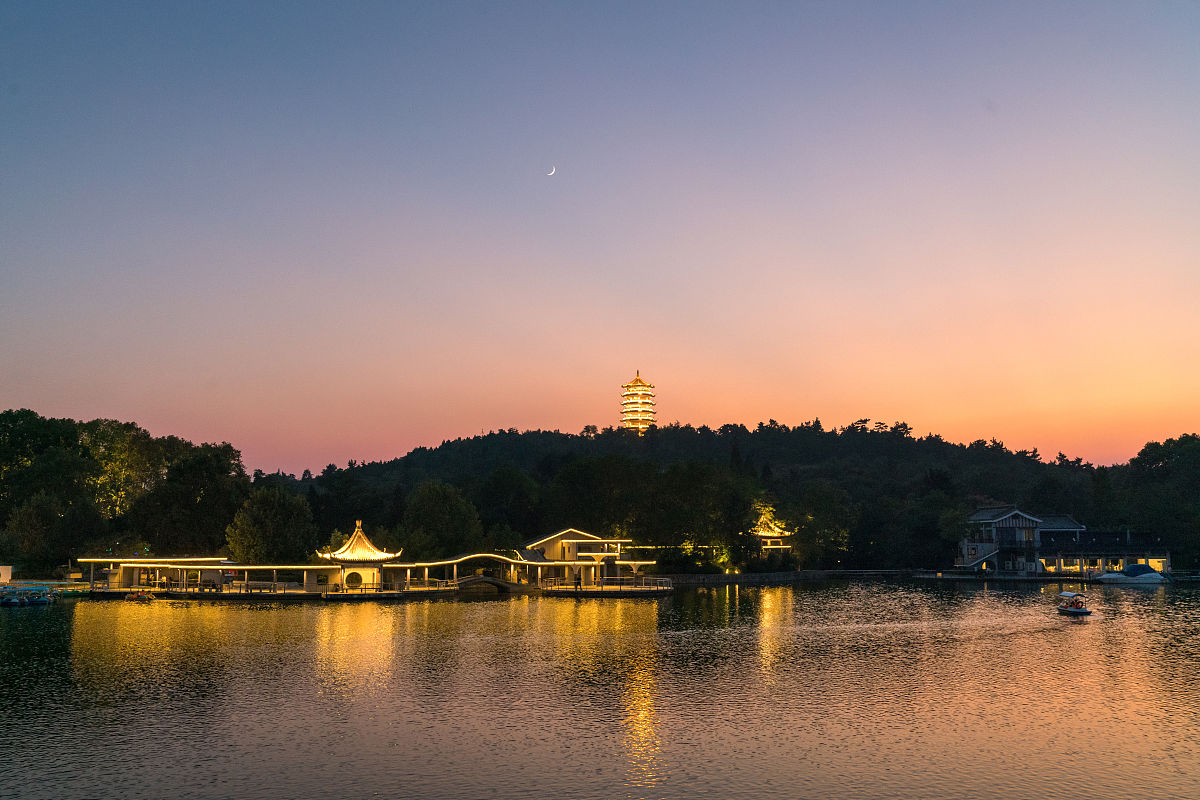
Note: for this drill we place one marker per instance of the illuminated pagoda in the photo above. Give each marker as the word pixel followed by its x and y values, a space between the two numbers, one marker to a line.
pixel 637 404
pixel 361 562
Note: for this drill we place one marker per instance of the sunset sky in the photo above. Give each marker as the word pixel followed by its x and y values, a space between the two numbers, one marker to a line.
pixel 325 232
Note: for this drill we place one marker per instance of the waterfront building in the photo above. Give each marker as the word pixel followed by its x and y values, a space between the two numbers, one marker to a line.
pixel 637 404
pixel 360 563
pixel 359 569
pixel 576 557
pixel 1006 540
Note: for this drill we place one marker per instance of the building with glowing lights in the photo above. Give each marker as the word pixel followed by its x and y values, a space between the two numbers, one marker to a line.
pixel 567 561
pixel 1006 540
pixel 637 404
pixel 772 534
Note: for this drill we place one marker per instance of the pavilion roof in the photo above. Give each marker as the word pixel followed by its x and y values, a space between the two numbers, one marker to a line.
pixel 358 549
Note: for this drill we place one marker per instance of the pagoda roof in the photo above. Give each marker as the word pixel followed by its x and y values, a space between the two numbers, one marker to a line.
pixel 638 380
pixel 358 549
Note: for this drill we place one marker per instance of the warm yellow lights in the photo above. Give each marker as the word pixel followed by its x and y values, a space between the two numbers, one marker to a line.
pixel 575 554
pixel 637 404
pixel 770 531
pixel 358 549
pixel 142 561
pixel 590 538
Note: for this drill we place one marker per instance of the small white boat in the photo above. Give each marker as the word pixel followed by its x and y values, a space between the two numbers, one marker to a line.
pixel 1134 573
pixel 140 597
pixel 1073 604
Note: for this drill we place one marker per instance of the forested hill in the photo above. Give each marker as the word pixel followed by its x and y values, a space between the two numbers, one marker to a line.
pixel 865 495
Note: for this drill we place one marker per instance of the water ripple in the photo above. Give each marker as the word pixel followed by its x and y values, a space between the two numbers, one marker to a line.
pixel 847 690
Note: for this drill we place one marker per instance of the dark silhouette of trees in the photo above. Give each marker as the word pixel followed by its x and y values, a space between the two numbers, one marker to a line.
pixel 272 526
pixel 188 510
pixel 869 494
pixel 439 521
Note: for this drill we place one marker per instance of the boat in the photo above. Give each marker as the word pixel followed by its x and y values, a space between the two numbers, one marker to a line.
pixel 1134 573
pixel 1073 604
pixel 140 597
pixel 26 596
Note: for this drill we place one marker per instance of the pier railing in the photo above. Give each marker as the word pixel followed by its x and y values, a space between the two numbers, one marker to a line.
pixel 399 586
pixel 614 584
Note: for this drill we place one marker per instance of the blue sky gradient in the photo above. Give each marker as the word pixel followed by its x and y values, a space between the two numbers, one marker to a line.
pixel 325 231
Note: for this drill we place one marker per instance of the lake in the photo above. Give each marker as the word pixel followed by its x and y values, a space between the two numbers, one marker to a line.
pixel 847 690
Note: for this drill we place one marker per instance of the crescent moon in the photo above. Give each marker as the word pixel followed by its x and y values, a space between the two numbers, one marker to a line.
pixel 552 168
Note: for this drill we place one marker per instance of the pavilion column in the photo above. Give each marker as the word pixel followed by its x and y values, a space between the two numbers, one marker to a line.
pixel 407 576
pixel 427 574
pixel 92 575
pixel 456 572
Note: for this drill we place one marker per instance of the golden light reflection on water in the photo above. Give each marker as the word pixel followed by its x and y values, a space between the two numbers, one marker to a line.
pixel 643 748
pixel 775 612
pixel 353 645
pixel 116 645
pixel 901 691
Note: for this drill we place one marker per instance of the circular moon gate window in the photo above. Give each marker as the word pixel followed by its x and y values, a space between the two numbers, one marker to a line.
pixel 354 580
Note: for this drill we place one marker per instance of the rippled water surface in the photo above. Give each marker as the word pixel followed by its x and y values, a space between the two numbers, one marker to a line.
pixel 840 690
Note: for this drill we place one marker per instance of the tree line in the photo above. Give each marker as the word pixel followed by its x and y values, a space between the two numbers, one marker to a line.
pixel 866 495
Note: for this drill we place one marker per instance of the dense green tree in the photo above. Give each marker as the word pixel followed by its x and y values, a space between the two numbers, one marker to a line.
pixel 439 521
pixel 826 516
pixel 187 512
pixel 273 525
pixel 508 500
pixel 131 462
pixel 41 455
pixel 1161 495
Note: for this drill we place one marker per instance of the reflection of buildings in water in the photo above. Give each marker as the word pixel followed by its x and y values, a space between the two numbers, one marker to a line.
pixel 639 718
pixel 595 635
pixel 353 644
pixel 129 650
pixel 775 610
pixel 602 645
pixel 709 606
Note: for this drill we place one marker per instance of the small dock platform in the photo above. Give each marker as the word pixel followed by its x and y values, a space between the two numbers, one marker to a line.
pixel 611 592
pixel 610 587
pixel 385 595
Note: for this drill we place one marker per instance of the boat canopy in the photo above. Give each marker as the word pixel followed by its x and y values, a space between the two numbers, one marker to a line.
pixel 1137 570
pixel 1069 595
